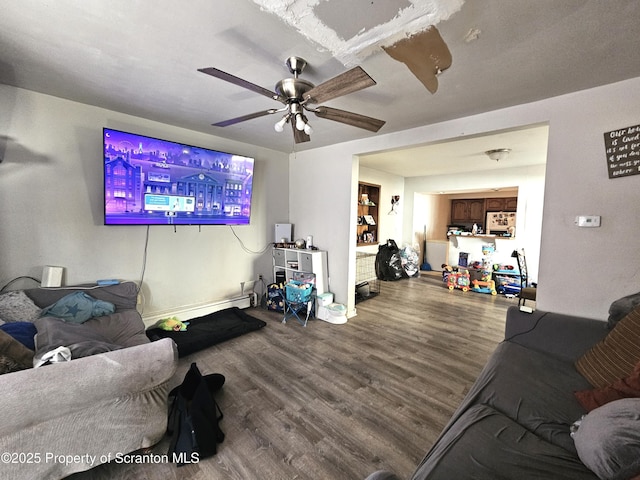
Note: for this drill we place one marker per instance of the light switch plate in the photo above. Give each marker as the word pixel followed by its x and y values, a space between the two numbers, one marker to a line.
pixel 588 220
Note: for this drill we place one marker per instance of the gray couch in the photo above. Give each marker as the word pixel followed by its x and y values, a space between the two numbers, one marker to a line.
pixel 71 416
pixel 515 421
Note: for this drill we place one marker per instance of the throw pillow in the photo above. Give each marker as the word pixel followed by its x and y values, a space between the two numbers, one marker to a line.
pixel 78 307
pixel 16 306
pixel 628 387
pixel 621 307
pixel 21 331
pixel 616 355
pixel 608 440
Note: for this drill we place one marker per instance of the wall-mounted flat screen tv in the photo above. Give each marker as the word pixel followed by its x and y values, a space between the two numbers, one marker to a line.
pixel 148 181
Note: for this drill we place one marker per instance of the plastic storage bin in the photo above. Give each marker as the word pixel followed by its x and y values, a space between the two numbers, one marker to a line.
pixel 298 292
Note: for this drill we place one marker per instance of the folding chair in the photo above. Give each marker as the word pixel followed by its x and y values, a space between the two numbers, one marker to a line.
pixel 298 302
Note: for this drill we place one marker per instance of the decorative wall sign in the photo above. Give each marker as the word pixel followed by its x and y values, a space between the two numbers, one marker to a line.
pixel 623 151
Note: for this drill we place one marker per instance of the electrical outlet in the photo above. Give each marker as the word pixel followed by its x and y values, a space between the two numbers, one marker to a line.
pixel 259 277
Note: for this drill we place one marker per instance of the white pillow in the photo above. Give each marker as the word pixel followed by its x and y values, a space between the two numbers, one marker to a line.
pixel 608 440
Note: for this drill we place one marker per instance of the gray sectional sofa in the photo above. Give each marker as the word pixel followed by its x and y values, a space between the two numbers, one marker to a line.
pixel 516 421
pixel 73 415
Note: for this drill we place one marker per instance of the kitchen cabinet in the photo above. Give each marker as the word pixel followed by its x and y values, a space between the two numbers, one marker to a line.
pixel 468 210
pixel 504 204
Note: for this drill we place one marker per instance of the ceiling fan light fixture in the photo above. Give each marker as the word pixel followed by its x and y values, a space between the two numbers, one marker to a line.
pixel 300 123
pixel 498 154
pixel 307 129
pixel 279 126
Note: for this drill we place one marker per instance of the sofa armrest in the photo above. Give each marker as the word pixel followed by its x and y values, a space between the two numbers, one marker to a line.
pixel 63 388
pixel 563 336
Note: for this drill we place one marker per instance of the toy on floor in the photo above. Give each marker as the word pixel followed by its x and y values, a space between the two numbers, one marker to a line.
pixel 459 279
pixel 484 286
pixel 446 270
pixel 172 323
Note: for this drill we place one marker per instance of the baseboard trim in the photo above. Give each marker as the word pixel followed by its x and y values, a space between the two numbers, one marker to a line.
pixel 194 311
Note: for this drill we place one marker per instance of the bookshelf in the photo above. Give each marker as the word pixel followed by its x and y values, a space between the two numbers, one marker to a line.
pixel 368 209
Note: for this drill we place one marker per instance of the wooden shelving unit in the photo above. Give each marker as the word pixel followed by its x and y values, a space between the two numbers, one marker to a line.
pixel 368 206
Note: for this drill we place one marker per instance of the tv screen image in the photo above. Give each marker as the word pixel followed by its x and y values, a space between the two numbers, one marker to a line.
pixel 149 181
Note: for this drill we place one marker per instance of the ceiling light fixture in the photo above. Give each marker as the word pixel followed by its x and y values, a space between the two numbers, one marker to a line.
pixel 279 126
pixel 498 154
pixel 296 116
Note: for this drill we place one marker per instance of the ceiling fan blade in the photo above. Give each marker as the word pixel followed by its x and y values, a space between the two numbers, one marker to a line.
pixel 298 135
pixel 350 118
pixel 227 77
pixel 243 118
pixel 347 82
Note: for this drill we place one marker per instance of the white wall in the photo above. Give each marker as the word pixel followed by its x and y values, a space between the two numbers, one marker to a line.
pixel 52 213
pixel 323 203
pixel 320 204
pixel 581 271
pixel 431 215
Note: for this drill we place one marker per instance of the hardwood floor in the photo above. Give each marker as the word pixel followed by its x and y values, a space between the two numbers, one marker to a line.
pixel 341 401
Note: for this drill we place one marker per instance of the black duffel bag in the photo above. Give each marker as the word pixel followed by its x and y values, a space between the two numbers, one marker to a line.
pixel 194 417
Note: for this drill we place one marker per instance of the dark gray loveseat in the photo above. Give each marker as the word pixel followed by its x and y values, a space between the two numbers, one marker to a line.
pixel 515 421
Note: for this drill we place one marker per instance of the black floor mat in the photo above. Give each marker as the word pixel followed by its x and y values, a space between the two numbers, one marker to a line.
pixel 202 332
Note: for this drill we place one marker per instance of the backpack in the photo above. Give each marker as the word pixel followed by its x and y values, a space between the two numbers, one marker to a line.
pixel 194 418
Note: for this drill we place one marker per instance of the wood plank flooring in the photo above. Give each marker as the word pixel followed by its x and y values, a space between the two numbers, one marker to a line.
pixel 341 401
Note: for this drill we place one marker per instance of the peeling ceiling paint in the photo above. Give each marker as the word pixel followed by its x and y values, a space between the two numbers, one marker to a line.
pixel 302 15
pixel 357 16
pixel 425 54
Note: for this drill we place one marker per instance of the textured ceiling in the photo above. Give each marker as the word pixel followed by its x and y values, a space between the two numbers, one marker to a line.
pixel 141 58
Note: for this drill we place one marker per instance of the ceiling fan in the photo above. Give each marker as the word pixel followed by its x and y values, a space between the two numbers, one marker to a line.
pixel 298 95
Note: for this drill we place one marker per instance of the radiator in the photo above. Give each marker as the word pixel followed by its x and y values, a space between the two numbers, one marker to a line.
pixel 195 311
